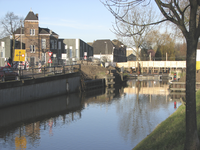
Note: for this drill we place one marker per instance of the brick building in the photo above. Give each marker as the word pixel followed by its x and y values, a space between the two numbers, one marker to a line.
pixel 37 41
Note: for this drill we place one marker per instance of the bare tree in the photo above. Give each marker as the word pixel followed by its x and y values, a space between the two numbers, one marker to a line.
pixel 176 13
pixel 134 35
pixel 10 24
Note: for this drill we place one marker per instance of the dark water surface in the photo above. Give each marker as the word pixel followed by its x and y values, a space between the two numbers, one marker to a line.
pixel 96 120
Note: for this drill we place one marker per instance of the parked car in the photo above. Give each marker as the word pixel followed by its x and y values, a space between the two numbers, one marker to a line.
pixel 7 73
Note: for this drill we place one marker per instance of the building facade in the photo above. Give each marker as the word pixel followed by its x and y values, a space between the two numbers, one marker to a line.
pixel 109 51
pixel 5 50
pixel 75 49
pixel 37 41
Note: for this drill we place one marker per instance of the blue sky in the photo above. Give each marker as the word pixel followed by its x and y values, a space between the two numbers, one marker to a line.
pixel 88 20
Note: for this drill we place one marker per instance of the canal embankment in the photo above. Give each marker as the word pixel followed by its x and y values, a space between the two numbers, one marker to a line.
pixel 170 134
pixel 27 90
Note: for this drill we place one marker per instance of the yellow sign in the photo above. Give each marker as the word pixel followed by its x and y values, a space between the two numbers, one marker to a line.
pixel 20 143
pixel 19 55
pixel 198 60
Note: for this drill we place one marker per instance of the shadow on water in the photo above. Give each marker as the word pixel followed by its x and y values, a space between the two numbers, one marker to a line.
pixel 15 116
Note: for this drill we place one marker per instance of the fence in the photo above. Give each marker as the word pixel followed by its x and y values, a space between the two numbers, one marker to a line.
pixel 44 71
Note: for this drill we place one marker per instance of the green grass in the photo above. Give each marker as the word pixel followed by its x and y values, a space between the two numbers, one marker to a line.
pixel 170 134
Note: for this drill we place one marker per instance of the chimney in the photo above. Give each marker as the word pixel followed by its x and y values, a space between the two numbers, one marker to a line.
pixel 36 15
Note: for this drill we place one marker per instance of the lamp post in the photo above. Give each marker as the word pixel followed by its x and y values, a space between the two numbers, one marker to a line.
pixel 113 54
pixel 21 33
pixel 150 56
pixel 106 51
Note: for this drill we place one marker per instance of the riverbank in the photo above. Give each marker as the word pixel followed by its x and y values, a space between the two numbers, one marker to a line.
pixel 170 134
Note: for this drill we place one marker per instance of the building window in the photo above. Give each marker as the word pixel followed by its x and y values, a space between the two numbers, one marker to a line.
pixel 52 44
pixel 2 50
pixel 55 44
pixel 44 57
pixel 32 48
pixel 32 31
pixel 70 52
pixel 77 53
pixel 43 43
pixel 59 45
pixel 66 50
pixel 32 61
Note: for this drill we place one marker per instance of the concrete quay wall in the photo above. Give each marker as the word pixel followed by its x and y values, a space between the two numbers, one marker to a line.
pixel 22 91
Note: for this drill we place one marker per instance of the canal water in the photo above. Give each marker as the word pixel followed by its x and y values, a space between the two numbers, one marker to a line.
pixel 108 119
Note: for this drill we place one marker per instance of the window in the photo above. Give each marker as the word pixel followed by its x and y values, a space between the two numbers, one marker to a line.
pixel 43 43
pixel 52 44
pixel 44 57
pixel 59 45
pixel 32 48
pixel 32 61
pixel 2 50
pixel 77 53
pixel 55 44
pixel 32 31
pixel 70 52
pixel 66 49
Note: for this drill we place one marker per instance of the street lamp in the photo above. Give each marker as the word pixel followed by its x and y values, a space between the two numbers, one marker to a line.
pixel 21 33
pixel 106 51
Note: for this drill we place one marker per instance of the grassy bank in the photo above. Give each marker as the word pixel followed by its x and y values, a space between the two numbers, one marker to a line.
pixel 170 134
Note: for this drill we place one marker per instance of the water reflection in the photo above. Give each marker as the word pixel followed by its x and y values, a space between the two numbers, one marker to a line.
pixel 116 118
pixel 146 103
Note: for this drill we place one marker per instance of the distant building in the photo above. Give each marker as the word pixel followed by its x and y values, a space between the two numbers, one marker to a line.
pixel 5 49
pixel 129 51
pixel 151 54
pixel 131 57
pixel 75 49
pixel 109 51
pixel 133 52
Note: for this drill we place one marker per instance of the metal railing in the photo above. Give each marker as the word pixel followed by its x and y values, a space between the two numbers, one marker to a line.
pixel 46 71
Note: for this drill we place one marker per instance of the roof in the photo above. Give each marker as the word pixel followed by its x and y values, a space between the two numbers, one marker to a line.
pixel 41 31
pixel 131 57
pixel 31 16
pixel 18 31
pixel 90 43
pixel 100 46
pixel 46 31
pixel 117 43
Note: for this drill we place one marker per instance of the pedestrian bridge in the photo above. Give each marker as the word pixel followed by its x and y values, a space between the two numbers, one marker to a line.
pixel 158 64
pixel 153 66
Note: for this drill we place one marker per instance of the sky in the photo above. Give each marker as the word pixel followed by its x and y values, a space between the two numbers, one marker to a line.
pixel 88 20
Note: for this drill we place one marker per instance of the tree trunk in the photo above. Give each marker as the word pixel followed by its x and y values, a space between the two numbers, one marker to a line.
pixel 192 140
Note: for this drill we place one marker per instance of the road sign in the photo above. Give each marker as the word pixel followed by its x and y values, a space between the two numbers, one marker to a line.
pixel 50 53
pixel 19 55
pixel 50 61
pixel 27 65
